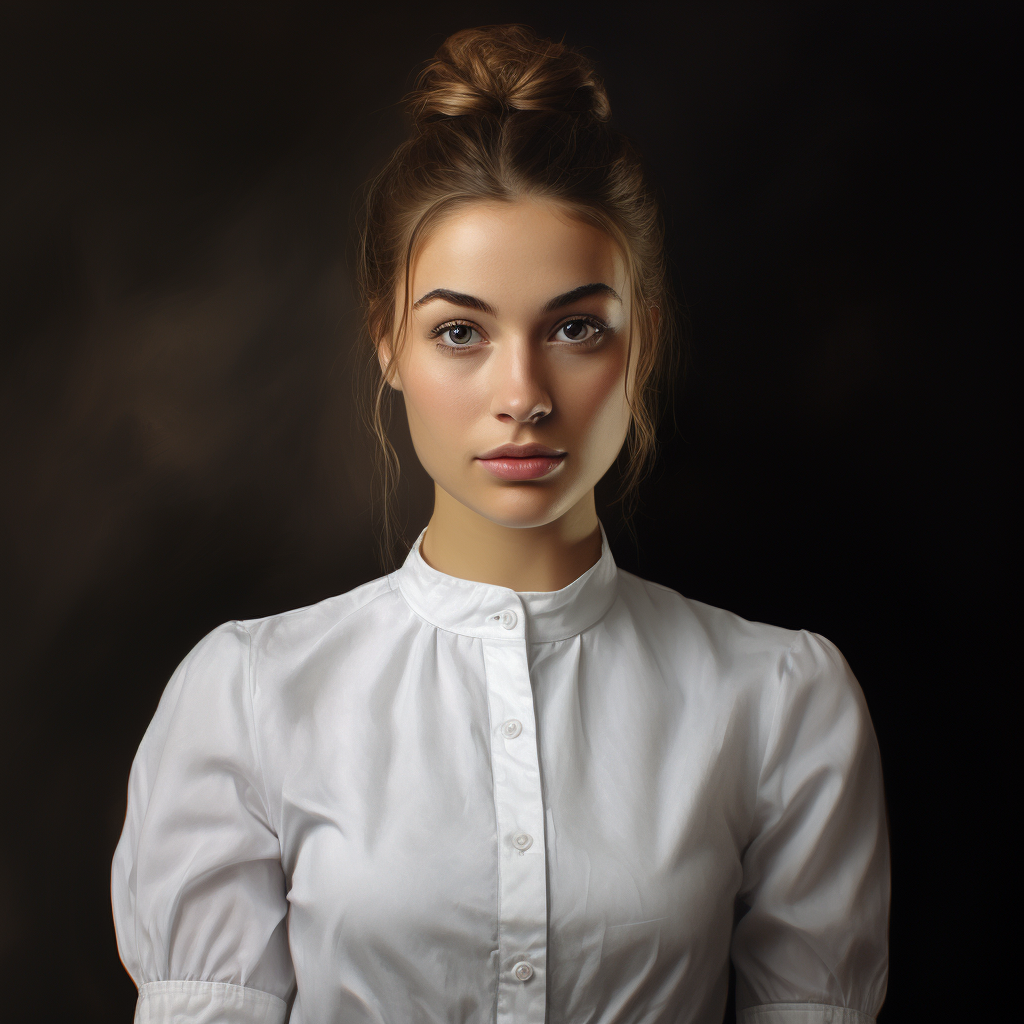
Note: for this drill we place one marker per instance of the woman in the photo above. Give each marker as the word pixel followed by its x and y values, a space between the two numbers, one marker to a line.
pixel 509 781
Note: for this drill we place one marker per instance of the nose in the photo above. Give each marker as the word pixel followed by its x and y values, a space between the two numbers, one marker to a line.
pixel 519 392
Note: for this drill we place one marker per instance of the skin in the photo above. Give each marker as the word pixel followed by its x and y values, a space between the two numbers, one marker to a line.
pixel 518 378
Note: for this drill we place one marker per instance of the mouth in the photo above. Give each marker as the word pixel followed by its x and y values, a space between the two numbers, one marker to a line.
pixel 521 461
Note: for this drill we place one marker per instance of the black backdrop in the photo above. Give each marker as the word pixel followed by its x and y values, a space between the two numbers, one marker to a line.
pixel 180 448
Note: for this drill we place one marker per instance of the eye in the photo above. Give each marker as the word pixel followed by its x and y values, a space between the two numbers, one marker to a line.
pixel 579 330
pixel 456 335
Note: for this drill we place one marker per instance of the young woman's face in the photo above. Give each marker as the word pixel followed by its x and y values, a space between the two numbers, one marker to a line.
pixel 517 336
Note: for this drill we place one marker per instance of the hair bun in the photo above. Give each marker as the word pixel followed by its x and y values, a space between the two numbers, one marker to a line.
pixel 497 69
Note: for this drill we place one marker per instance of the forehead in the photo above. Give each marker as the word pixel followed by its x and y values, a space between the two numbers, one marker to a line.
pixel 518 251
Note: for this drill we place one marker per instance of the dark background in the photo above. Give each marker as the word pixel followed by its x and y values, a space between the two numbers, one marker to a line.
pixel 180 448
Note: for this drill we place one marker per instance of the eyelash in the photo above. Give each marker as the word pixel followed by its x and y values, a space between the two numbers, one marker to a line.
pixel 591 321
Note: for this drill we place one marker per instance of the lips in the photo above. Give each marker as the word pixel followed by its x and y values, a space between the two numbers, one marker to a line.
pixel 522 451
pixel 521 461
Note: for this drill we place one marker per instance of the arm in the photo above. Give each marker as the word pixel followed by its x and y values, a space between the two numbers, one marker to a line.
pixel 812 946
pixel 197 887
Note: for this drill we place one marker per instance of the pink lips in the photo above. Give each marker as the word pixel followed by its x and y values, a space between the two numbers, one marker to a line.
pixel 521 461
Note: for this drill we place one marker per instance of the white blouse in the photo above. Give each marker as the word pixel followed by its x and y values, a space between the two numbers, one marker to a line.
pixel 432 800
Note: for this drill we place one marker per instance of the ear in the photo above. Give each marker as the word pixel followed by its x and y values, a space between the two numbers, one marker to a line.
pixel 387 367
pixel 655 316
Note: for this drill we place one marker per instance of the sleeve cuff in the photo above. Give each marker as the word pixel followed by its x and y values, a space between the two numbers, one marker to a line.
pixel 207 1002
pixel 802 1013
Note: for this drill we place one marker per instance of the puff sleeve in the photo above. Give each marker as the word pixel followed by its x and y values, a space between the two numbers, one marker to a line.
pixel 197 887
pixel 811 947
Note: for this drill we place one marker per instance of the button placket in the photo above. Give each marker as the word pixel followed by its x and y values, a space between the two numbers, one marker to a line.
pixel 522 880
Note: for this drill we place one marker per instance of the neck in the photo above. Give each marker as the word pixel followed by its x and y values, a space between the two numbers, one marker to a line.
pixel 463 543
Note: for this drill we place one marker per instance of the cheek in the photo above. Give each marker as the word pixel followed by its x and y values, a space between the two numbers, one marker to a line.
pixel 439 401
pixel 595 404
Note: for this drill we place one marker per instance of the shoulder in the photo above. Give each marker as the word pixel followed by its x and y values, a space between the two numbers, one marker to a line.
pixel 729 647
pixel 723 634
pixel 227 658
pixel 302 630
pixel 211 693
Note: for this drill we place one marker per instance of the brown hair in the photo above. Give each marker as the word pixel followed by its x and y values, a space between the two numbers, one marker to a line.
pixel 501 114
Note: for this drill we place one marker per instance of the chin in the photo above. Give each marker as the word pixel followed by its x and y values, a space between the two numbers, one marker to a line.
pixel 521 506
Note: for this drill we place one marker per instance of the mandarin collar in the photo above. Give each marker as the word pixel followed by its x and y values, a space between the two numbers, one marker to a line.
pixel 496 613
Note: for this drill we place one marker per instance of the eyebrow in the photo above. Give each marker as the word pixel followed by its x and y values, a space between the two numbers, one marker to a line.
pixel 457 299
pixel 567 298
pixel 472 302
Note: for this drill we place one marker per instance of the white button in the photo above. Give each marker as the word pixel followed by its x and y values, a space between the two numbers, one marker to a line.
pixel 512 728
pixel 509 619
pixel 521 841
pixel 523 971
